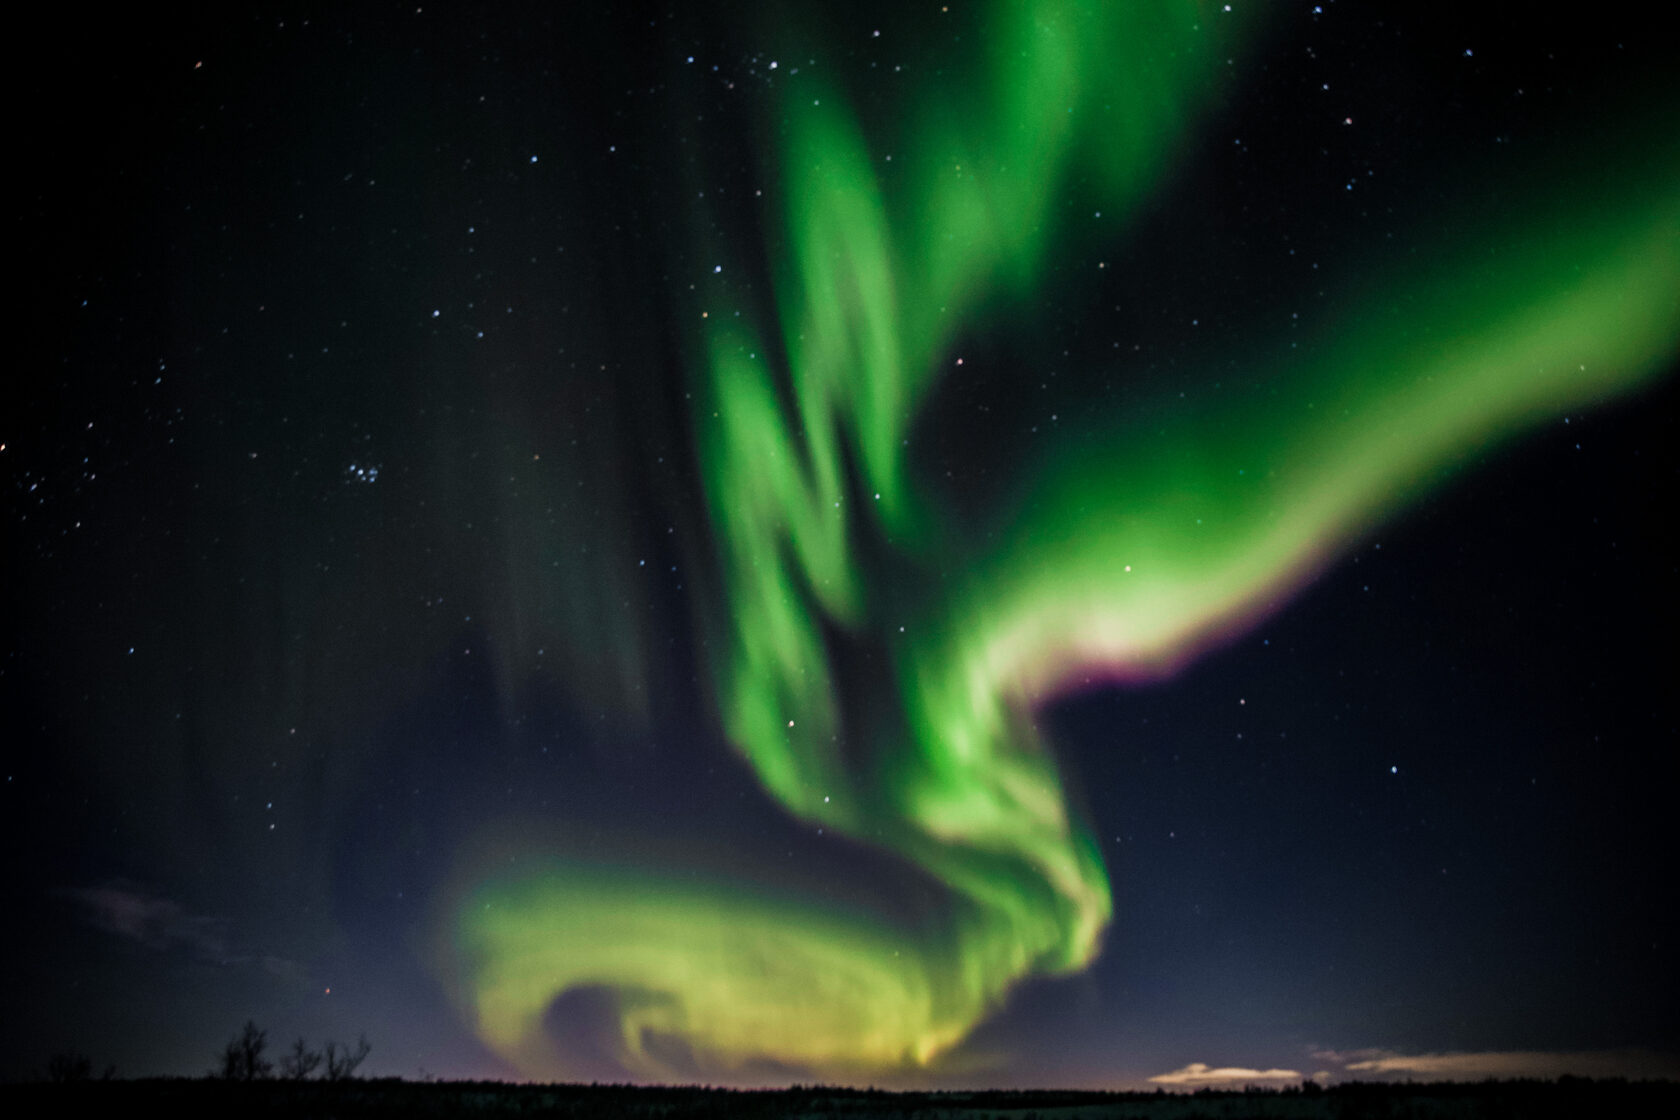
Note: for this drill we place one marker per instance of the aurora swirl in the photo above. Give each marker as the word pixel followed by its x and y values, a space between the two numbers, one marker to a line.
pixel 1139 540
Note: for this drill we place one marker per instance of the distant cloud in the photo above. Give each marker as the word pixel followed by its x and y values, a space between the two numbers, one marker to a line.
pixel 1199 1073
pixel 1343 1057
pixel 1477 1065
pixel 138 914
pixel 280 967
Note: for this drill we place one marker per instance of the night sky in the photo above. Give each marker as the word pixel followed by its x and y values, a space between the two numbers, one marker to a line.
pixel 1046 545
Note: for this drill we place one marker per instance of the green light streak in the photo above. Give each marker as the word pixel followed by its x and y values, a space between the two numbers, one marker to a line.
pixel 715 966
pixel 1135 546
pixel 1226 510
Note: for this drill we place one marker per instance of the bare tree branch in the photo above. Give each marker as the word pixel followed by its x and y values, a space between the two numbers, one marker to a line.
pixel 342 1063
pixel 242 1058
pixel 301 1062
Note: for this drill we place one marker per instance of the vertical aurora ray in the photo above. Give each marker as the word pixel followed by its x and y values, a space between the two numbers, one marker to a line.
pixel 1128 549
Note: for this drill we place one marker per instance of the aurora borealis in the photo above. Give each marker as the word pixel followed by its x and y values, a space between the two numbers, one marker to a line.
pixel 1126 561
pixel 807 425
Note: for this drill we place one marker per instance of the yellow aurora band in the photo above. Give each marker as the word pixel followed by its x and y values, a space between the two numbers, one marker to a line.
pixel 1129 549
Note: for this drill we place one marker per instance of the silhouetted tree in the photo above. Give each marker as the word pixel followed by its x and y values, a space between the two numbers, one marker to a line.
pixel 301 1062
pixel 242 1058
pixel 68 1068
pixel 342 1063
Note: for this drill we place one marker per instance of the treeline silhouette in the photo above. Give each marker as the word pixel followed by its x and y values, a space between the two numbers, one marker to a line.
pixel 380 1098
pixel 243 1059
pixel 308 1082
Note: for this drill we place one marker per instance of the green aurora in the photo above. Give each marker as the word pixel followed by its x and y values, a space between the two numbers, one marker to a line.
pixel 1141 540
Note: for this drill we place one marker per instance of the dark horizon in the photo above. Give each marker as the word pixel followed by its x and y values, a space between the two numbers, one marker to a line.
pixel 1566 1097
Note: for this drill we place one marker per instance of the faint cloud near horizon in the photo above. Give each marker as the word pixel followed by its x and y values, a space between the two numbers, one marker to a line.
pixel 1477 1065
pixel 131 911
pixel 1200 1073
